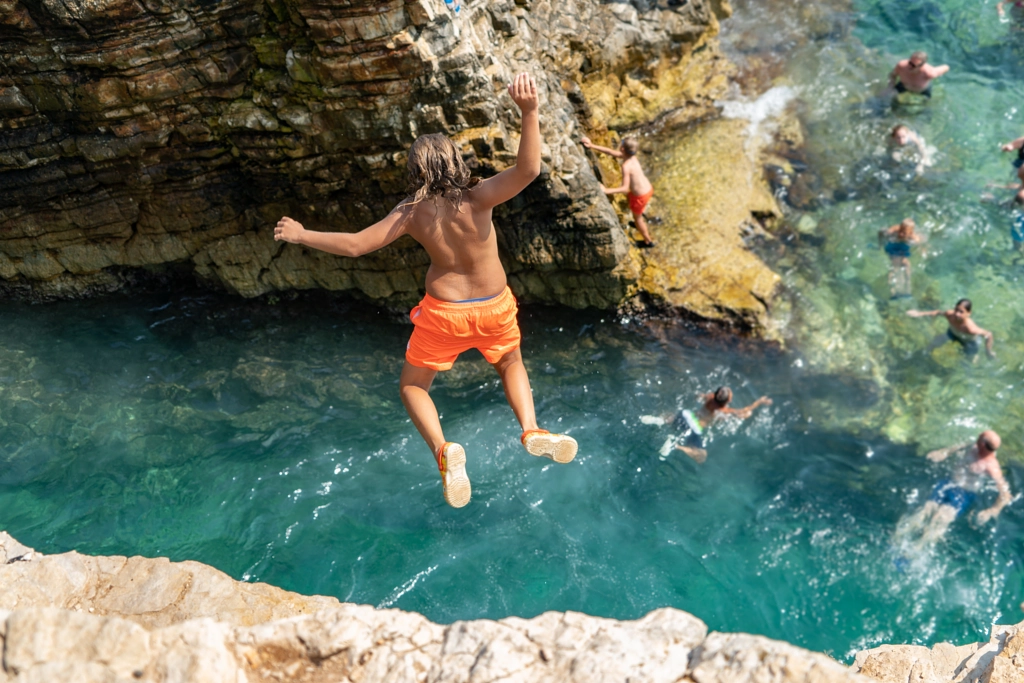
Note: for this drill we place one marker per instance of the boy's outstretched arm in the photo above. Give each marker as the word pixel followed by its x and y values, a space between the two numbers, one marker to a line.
pixel 512 181
pixel 598 148
pixel 380 234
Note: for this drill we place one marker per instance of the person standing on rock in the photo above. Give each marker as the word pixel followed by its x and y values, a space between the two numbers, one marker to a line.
pixel 962 329
pixel 635 185
pixel 468 303
pixel 915 74
pixel 953 495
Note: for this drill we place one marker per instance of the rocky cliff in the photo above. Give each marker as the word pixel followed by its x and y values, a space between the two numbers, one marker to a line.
pixel 147 136
pixel 72 617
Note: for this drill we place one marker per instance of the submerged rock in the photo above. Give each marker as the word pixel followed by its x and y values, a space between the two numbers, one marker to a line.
pixel 76 618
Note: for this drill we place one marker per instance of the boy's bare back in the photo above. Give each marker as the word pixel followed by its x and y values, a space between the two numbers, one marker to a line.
pixel 456 232
pixel 634 178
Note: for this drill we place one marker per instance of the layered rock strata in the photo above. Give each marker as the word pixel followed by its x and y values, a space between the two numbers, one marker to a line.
pixel 71 617
pixel 153 135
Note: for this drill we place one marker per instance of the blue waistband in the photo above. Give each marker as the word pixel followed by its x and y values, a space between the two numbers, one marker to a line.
pixel 473 301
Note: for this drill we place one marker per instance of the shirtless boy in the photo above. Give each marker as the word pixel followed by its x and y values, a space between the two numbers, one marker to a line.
pixel 902 136
pixel 694 426
pixel 468 303
pixel 915 74
pixel 962 329
pixel 953 495
pixel 635 184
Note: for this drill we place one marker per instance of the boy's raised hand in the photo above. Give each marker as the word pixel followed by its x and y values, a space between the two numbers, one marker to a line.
pixel 523 90
pixel 288 230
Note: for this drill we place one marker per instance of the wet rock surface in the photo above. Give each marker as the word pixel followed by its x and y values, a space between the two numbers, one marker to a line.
pixel 154 136
pixel 123 619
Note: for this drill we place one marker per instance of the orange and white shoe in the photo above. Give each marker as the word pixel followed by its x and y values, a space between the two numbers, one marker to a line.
pixel 451 461
pixel 557 447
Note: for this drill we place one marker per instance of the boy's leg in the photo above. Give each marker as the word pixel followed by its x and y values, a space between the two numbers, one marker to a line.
pixel 641 225
pixel 517 388
pixel 450 457
pixel 413 386
pixel 558 447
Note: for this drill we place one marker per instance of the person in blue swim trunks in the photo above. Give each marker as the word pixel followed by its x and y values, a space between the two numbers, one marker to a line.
pixel 693 426
pixel 897 242
pixel 974 463
pixel 1017 224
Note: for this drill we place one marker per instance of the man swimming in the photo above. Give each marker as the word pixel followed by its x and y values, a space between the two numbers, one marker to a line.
pixel 962 329
pixel 900 137
pixel 953 495
pixel 694 426
pixel 915 74
pixel 897 241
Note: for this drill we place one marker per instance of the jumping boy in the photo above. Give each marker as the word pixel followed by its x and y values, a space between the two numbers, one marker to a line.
pixel 635 185
pixel 468 303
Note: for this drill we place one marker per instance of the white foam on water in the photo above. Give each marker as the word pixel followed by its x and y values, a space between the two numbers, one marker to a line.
pixel 766 107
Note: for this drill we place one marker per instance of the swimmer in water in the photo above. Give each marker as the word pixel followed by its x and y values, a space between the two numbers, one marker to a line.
pixel 952 496
pixel 901 137
pixel 915 74
pixel 1017 224
pixel 694 426
pixel 468 303
pixel 961 329
pixel 635 185
pixel 897 241
pixel 1016 8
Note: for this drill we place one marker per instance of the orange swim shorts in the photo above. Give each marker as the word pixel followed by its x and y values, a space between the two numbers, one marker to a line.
pixel 638 204
pixel 444 329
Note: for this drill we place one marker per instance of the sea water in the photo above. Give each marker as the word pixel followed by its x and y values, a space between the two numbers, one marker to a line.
pixel 266 437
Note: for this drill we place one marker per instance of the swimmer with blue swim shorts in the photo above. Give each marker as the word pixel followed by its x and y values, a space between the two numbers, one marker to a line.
pixel 693 426
pixel 897 241
pixel 953 495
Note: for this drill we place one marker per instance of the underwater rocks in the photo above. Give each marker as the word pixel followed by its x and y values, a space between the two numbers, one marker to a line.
pixel 159 136
pixel 71 617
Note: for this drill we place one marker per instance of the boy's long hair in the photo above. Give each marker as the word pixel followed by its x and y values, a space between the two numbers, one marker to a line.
pixel 436 169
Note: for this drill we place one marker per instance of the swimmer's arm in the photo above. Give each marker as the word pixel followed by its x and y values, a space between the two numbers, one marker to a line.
pixel 378 235
pixel 1012 145
pixel 744 413
pixel 989 339
pixel 937 71
pixel 941 454
pixel 924 314
pixel 1004 499
pixel 999 7
pixel 510 182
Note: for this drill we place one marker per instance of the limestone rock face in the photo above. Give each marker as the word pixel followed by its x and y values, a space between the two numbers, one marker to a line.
pixel 111 620
pixel 1000 660
pixel 142 135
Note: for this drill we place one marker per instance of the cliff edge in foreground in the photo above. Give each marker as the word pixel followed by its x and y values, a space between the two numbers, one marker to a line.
pixel 73 617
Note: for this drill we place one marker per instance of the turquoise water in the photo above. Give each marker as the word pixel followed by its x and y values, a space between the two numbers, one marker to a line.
pixel 266 438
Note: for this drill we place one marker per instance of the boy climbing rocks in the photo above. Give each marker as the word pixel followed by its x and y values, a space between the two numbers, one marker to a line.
pixel 468 303
pixel 635 184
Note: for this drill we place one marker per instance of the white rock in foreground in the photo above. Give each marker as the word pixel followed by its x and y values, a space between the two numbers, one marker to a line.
pixel 82 619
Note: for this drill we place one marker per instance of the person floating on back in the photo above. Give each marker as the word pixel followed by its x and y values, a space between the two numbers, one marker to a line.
pixel 962 329
pixel 635 185
pixel 468 303
pixel 915 74
pixel 897 241
pixel 693 427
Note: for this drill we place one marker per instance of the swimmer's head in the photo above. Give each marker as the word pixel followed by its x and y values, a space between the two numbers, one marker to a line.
pixel 722 396
pixel 629 146
pixel 900 134
pixel 907 226
pixel 436 168
pixel 918 59
pixel 988 442
pixel 963 306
